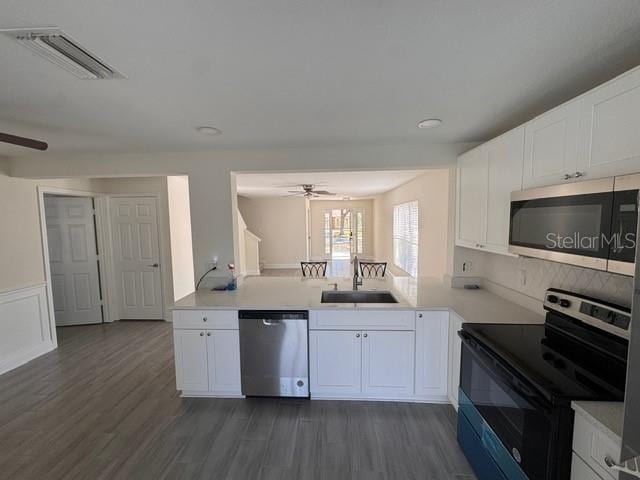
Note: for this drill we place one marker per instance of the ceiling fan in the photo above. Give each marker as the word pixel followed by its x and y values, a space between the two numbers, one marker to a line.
pixel 23 141
pixel 308 191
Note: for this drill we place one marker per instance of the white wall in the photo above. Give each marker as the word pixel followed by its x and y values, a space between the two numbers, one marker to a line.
pixel 280 225
pixel 209 176
pixel 317 209
pixel 180 236
pixel 431 190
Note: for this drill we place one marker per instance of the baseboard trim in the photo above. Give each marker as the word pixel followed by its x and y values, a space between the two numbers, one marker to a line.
pixel 281 265
pixel 191 394
pixel 437 399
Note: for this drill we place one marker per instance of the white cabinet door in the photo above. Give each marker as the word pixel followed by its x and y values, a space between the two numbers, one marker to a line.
pixel 610 128
pixel 580 470
pixel 387 363
pixel 223 353
pixel 335 363
pixel 472 197
pixel 190 350
pixel 504 175
pixel 455 351
pixel 550 146
pixel 432 341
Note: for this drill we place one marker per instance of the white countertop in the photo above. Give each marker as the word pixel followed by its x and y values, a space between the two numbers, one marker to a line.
pixel 288 293
pixel 608 417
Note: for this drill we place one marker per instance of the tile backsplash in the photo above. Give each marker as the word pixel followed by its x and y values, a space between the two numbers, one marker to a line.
pixel 531 277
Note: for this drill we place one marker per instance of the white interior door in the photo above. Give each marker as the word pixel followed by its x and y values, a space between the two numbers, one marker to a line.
pixel 73 260
pixel 136 257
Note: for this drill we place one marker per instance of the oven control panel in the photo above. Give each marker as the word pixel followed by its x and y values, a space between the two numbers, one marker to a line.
pixel 605 316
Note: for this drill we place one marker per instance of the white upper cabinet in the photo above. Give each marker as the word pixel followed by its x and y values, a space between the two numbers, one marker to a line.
pixel 504 175
pixel 551 146
pixel 486 177
pixel 609 141
pixel 472 197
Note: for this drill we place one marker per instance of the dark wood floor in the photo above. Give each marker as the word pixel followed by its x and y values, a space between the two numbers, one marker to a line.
pixel 104 406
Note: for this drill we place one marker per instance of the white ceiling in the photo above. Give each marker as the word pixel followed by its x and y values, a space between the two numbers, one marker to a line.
pixel 350 184
pixel 306 72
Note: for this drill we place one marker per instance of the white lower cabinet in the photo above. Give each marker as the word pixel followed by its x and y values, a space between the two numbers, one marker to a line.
pixel 387 363
pixel 223 361
pixel 455 352
pixel 335 363
pixel 207 361
pixel 190 350
pixel 432 348
pixel 408 363
pixel 581 471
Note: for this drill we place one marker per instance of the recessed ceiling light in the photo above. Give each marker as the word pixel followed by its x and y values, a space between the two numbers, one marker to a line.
pixel 430 123
pixel 211 131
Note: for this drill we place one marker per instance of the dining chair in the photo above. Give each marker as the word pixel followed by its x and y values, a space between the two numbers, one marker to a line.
pixel 314 269
pixel 373 269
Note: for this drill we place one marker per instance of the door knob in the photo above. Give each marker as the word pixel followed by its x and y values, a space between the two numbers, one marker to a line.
pixel 365 335
pixel 202 334
pixel 357 335
pixel 208 334
pixel 154 265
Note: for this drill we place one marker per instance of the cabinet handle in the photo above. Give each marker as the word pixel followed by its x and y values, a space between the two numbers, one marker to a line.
pixel 201 334
pixel 419 315
pixel 578 174
pixel 204 319
pixel 567 176
pixel 208 334
pixel 357 335
pixel 365 335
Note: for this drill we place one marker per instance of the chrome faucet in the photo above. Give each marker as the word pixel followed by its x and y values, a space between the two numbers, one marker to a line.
pixel 357 281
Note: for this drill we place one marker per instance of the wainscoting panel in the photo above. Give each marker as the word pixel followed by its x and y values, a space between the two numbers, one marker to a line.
pixel 25 331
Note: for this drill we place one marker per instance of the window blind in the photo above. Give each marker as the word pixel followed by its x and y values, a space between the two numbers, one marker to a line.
pixel 405 237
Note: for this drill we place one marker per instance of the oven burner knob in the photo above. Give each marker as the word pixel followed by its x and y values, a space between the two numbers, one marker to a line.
pixel 552 298
pixel 565 303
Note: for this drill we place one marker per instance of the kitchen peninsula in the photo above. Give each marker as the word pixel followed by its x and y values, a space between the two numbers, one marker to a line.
pixel 406 351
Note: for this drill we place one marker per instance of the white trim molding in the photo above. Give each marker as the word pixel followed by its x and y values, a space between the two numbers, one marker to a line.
pixel 26 330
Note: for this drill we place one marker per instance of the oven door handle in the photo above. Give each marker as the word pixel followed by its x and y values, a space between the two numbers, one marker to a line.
pixel 492 363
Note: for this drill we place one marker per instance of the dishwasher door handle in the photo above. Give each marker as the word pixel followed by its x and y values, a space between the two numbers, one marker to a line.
pixel 270 323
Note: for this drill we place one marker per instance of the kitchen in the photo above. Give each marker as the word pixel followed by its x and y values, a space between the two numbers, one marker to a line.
pixel 512 358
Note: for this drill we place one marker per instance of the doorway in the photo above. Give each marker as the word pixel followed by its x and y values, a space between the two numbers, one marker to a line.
pixel 343 233
pixel 73 260
pixel 136 257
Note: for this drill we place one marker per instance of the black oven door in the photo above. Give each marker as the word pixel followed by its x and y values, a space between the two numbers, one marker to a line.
pixel 570 225
pixel 516 412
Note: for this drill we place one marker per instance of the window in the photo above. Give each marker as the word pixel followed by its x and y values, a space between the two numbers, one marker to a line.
pixel 405 237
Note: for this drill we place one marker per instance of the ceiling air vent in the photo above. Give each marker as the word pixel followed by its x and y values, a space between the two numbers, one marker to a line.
pixel 59 48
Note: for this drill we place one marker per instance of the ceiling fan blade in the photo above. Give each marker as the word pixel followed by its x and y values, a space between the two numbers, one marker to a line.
pixel 297 194
pixel 323 192
pixel 23 141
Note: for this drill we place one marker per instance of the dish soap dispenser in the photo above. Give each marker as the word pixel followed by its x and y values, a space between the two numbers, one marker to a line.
pixel 233 283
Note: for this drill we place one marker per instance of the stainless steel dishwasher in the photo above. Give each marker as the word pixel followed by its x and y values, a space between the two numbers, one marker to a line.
pixel 274 353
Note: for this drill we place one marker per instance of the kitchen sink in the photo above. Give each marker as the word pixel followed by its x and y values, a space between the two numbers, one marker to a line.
pixel 357 296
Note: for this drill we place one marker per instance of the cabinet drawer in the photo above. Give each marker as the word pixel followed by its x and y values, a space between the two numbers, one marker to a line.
pixel 593 447
pixel 208 319
pixel 361 320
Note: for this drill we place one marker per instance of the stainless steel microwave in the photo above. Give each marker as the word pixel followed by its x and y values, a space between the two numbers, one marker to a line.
pixel 591 224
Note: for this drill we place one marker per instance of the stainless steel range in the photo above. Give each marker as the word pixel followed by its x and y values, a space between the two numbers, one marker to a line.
pixel 517 382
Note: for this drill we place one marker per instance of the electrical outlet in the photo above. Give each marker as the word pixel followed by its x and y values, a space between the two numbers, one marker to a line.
pixel 213 264
pixel 467 266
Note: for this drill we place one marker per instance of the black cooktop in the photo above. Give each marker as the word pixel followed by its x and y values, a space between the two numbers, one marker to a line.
pixel 560 365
